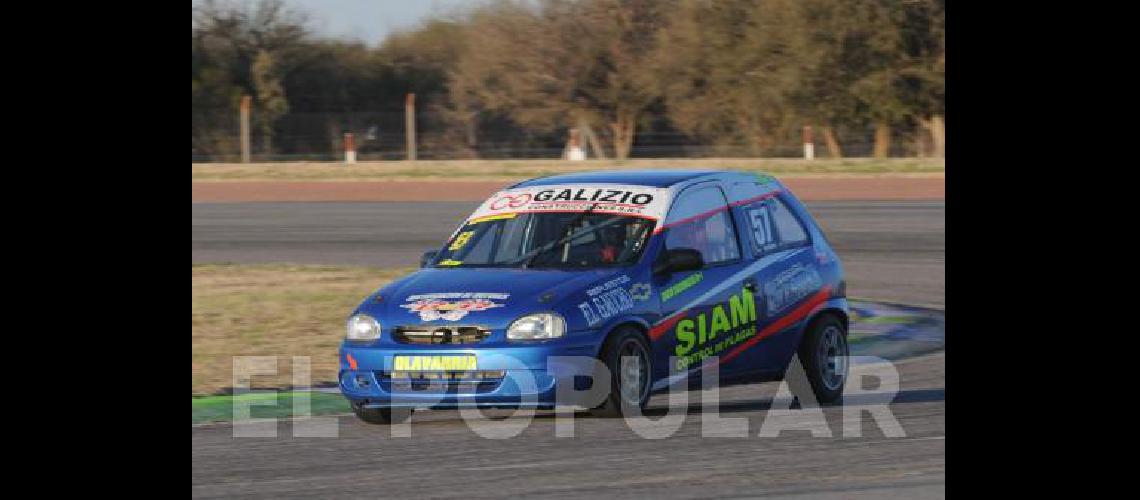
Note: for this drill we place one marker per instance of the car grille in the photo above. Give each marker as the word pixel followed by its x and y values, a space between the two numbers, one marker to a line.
pixel 440 334
pixel 476 382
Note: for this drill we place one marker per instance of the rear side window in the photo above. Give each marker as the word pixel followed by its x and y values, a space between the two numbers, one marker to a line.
pixel 773 226
pixel 788 227
pixel 700 221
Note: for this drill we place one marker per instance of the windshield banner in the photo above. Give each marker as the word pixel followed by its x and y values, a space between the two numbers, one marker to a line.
pixel 635 201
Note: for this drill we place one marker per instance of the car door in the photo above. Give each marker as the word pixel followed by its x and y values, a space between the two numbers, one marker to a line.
pixel 781 261
pixel 696 317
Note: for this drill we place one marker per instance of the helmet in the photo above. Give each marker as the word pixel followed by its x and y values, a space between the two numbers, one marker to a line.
pixel 613 236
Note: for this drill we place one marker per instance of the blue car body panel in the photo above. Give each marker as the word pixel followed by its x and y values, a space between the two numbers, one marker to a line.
pixel 687 317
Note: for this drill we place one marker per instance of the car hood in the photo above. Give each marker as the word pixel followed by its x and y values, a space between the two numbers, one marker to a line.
pixel 490 297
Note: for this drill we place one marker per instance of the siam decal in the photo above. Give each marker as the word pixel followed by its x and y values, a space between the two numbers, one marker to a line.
pixel 640 291
pixel 728 335
pixel 709 334
pixel 680 286
pixel 434 306
pixel 790 287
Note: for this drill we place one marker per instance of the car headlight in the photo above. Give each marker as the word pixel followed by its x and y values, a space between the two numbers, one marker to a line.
pixel 363 327
pixel 536 327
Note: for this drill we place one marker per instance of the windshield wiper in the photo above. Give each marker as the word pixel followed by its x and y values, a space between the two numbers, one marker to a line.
pixel 528 259
pixel 568 237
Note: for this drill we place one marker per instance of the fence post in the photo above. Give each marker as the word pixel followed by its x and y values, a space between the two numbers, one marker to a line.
pixel 349 148
pixel 939 133
pixel 809 143
pixel 244 119
pixel 410 125
pixel 574 150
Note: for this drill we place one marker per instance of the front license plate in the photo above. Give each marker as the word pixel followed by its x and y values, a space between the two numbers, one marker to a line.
pixel 462 362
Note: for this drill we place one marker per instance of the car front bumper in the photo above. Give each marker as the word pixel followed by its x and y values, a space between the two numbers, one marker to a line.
pixel 526 376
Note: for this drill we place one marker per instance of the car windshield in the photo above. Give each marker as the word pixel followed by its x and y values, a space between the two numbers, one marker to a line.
pixel 560 239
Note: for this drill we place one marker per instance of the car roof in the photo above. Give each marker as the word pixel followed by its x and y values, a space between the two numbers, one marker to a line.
pixel 653 178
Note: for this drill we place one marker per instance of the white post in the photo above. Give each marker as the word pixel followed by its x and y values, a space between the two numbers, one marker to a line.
pixel 410 125
pixel 576 153
pixel 244 125
pixel 349 148
pixel 809 144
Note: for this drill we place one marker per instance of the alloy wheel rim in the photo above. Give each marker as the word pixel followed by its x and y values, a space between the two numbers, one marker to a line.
pixel 633 372
pixel 833 358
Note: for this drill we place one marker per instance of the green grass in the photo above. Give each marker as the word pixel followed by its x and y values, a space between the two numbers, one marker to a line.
pixel 273 310
pixel 520 169
pixel 888 320
pixel 220 408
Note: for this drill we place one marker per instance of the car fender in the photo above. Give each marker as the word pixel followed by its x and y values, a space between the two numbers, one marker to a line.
pixel 605 329
pixel 837 305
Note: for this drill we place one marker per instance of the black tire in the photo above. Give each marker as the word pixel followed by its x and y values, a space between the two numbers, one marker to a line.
pixel 380 416
pixel 629 341
pixel 824 354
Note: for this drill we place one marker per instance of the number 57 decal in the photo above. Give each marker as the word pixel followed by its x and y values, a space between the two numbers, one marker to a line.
pixel 761 226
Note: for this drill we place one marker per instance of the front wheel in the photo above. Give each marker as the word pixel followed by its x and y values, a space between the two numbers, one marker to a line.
pixel 824 355
pixel 629 381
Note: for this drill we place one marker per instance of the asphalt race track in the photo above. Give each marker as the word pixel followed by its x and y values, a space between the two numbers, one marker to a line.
pixel 893 251
pixel 444 458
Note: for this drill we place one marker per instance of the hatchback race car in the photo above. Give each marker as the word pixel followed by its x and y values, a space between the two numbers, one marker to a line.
pixel 635 279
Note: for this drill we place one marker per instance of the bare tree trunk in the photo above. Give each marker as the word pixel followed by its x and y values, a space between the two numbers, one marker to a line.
pixel 920 143
pixel 755 138
pixel 938 134
pixel 833 149
pixel 470 127
pixel 591 139
pixel 623 130
pixel 267 145
pixel 882 139
pixel 619 140
pixel 934 126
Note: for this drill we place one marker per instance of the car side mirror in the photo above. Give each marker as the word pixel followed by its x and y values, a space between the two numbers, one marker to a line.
pixel 679 259
pixel 428 257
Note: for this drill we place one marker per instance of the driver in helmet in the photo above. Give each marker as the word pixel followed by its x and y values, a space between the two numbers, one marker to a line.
pixel 613 241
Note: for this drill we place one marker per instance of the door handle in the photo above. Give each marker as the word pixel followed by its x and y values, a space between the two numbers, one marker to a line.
pixel 750 284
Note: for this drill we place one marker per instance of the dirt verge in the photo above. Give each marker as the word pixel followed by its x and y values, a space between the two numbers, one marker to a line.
pixel 838 188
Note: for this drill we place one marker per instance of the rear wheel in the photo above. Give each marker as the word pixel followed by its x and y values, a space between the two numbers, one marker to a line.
pixel 824 355
pixel 380 416
pixel 629 382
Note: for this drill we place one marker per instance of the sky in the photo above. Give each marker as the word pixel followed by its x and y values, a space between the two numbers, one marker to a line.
pixel 371 20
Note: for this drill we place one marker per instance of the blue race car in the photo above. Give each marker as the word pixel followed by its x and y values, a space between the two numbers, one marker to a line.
pixel 636 279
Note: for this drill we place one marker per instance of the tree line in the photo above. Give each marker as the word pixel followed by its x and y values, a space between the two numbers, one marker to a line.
pixel 743 74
